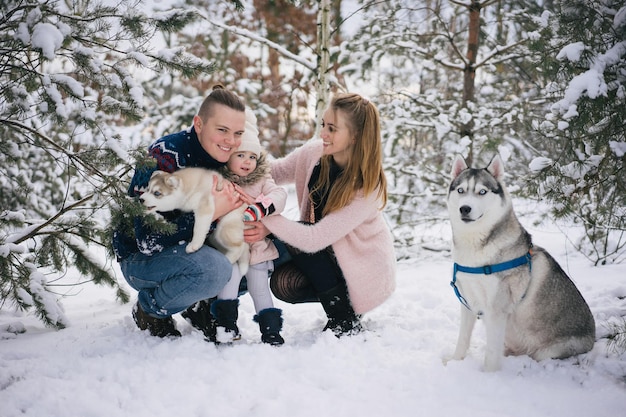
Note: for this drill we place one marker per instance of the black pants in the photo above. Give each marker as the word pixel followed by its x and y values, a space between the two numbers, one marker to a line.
pixel 298 276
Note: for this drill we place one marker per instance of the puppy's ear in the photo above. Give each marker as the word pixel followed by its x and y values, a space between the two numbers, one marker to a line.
pixel 459 165
pixel 173 181
pixel 496 167
pixel 157 173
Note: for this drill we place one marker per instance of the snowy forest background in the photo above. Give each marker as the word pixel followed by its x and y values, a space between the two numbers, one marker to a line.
pixel 85 85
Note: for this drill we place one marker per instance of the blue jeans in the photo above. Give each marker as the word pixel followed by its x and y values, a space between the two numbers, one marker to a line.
pixel 172 280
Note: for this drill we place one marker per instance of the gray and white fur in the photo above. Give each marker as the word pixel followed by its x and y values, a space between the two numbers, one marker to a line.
pixel 190 189
pixel 533 309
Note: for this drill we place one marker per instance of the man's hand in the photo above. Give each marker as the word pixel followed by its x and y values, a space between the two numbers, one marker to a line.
pixel 227 199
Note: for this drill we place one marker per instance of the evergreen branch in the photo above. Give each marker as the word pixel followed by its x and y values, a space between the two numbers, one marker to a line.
pixel 54 145
pixel 356 12
pixel 34 231
pixel 498 51
pixel 473 3
pixel 252 36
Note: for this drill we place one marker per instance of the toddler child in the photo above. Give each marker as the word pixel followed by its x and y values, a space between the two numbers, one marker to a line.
pixel 249 168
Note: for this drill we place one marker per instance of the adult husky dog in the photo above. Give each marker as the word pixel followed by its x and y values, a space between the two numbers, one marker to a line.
pixel 189 189
pixel 528 304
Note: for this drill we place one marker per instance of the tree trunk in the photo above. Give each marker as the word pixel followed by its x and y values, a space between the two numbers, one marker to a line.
pixel 469 72
pixel 323 61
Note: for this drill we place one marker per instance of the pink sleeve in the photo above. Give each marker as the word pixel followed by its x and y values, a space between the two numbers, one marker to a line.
pixel 285 169
pixel 333 227
pixel 275 194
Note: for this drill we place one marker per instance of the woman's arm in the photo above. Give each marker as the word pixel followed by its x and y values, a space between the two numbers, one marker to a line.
pixel 284 169
pixel 331 228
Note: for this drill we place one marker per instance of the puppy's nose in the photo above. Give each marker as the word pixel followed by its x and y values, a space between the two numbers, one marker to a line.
pixel 141 200
pixel 465 210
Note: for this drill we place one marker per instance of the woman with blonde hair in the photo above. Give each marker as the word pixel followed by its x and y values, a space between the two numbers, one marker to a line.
pixel 341 251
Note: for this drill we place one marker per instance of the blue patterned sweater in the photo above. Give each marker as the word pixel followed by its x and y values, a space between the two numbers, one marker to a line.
pixel 172 152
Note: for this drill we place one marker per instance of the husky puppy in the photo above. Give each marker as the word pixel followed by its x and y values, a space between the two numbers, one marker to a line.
pixel 189 189
pixel 528 304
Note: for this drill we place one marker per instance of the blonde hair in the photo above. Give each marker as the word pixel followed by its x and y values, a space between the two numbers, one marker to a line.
pixel 364 170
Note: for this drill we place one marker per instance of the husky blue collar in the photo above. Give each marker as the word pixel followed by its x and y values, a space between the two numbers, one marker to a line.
pixel 487 270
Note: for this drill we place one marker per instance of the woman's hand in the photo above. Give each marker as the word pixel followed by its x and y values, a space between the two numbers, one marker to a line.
pixel 226 199
pixel 255 232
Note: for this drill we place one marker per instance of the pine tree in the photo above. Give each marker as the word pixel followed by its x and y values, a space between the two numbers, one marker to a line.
pixel 451 77
pixel 70 79
pixel 583 45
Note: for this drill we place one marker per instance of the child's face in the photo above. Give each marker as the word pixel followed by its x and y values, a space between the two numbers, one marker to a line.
pixel 242 163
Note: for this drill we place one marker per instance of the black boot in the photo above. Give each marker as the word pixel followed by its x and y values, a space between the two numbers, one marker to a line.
pixel 200 317
pixel 156 327
pixel 270 323
pixel 226 314
pixel 342 319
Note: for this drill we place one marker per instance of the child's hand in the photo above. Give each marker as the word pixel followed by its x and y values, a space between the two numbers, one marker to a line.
pixel 243 195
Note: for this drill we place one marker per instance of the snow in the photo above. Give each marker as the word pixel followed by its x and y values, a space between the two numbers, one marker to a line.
pixel 102 365
pixel 619 148
pixel 539 163
pixel 571 52
pixel 48 38
pixel 620 18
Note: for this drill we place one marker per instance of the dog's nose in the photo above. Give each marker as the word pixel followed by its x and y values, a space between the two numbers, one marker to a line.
pixel 141 200
pixel 465 210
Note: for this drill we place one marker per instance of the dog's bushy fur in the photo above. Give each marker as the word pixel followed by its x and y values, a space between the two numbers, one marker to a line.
pixel 534 309
pixel 190 189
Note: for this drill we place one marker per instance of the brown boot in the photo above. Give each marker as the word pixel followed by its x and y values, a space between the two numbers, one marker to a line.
pixel 156 327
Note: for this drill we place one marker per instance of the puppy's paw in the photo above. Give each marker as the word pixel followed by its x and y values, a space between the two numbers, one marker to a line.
pixel 192 247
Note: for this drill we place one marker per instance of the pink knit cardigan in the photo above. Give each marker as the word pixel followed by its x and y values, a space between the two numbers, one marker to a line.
pixel 358 233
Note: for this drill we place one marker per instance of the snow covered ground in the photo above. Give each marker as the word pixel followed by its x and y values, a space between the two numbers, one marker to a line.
pixel 102 365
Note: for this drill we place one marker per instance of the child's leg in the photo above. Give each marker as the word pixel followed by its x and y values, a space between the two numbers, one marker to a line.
pixel 231 289
pixel 258 285
pixel 225 310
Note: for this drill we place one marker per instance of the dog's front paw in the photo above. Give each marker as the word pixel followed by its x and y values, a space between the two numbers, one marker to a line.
pixel 492 364
pixel 192 247
pixel 451 357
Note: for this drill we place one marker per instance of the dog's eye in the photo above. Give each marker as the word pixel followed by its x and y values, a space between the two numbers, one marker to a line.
pixel 482 192
pixel 157 193
pixel 460 190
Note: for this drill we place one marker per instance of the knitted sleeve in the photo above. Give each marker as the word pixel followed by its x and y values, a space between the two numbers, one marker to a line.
pixel 257 211
pixel 169 158
pixel 272 199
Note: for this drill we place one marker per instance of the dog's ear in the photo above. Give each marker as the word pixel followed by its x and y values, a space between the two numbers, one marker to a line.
pixel 496 167
pixel 157 173
pixel 459 165
pixel 173 181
